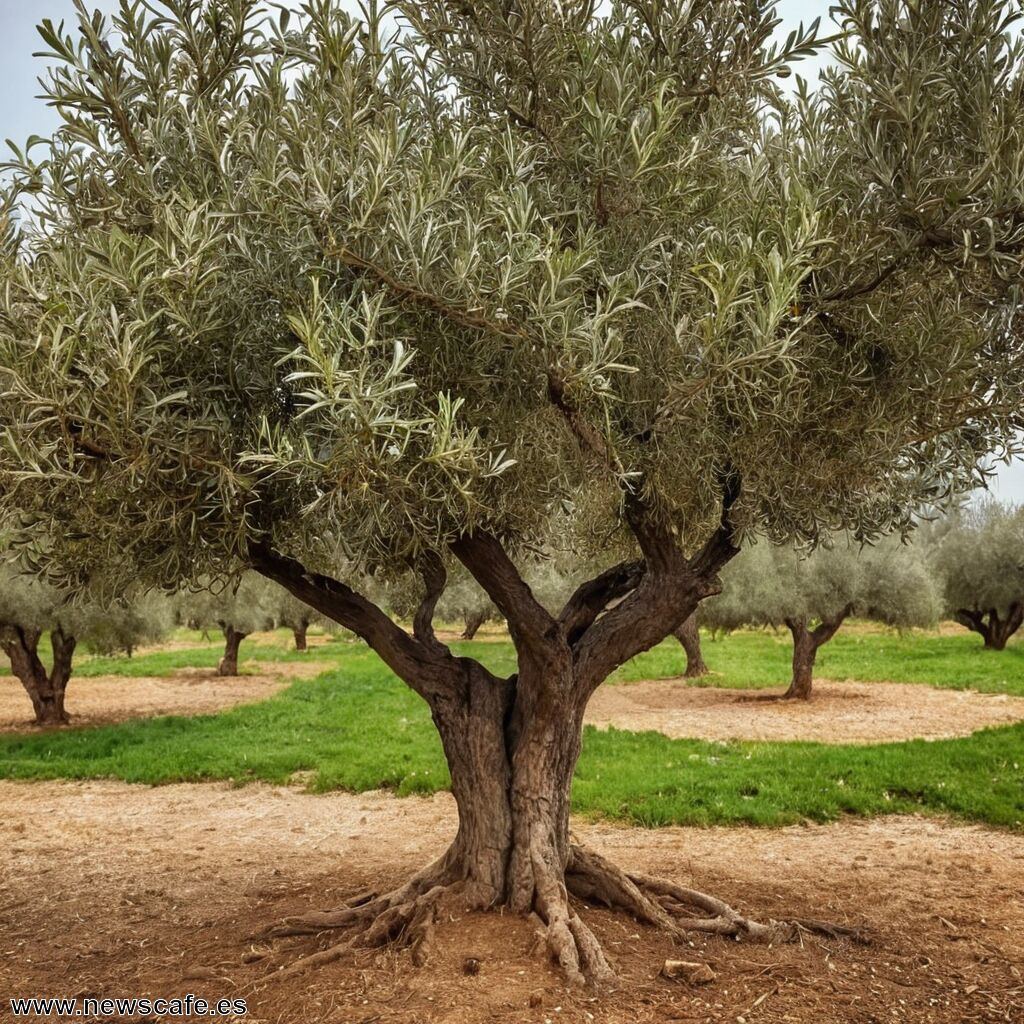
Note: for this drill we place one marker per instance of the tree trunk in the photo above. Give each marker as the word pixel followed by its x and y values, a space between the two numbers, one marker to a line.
pixel 805 651
pixel 473 624
pixel 688 634
pixel 233 638
pixel 45 690
pixel 994 630
pixel 512 746
pixel 300 636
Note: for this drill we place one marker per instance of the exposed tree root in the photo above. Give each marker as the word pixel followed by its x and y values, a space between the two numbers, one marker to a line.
pixel 407 916
pixel 568 939
pixel 671 907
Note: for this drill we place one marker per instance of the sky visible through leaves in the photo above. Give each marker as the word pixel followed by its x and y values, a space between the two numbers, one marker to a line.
pixel 23 114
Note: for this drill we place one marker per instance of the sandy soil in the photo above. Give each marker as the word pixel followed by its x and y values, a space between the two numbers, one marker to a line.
pixel 190 691
pixel 836 712
pixel 108 889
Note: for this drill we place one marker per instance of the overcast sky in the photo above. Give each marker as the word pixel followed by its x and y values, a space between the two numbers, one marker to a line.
pixel 21 114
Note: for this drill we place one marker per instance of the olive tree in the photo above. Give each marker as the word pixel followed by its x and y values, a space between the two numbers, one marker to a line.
pixel 432 284
pixel 813 594
pixel 688 635
pixel 30 607
pixel 291 613
pixel 466 601
pixel 237 610
pixel 980 560
pixel 122 627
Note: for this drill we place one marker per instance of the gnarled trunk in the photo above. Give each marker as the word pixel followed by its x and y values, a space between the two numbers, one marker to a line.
pixel 473 624
pixel 512 745
pixel 688 634
pixel 46 690
pixel 228 665
pixel 995 629
pixel 299 632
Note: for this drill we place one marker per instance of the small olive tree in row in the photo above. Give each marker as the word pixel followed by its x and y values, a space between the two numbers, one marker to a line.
pixel 979 558
pixel 813 594
pixel 237 610
pixel 464 600
pixel 449 281
pixel 30 607
pixel 289 612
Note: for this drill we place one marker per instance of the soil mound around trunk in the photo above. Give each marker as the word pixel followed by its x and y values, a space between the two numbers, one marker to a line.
pixel 102 700
pixel 102 892
pixel 836 713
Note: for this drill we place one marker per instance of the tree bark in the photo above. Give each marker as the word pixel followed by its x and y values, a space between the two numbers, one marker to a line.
pixel 46 690
pixel 806 642
pixel 228 665
pixel 299 632
pixel 804 653
pixel 473 624
pixel 512 744
pixel 688 634
pixel 994 629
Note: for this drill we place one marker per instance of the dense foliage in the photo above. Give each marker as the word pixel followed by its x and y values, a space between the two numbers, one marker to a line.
pixel 812 594
pixel 979 556
pixel 360 290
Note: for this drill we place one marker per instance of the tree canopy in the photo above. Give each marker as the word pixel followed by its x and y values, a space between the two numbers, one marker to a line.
pixel 303 290
pixel 812 594
pixel 980 560
pixel 363 288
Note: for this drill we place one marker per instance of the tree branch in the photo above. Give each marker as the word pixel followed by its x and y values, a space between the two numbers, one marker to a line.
pixel 593 597
pixel 827 628
pixel 426 668
pixel 487 561
pixel 721 545
pixel 435 579
pixel 410 293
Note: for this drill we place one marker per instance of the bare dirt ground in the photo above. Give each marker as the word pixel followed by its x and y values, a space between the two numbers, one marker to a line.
pixel 190 691
pixel 112 890
pixel 836 712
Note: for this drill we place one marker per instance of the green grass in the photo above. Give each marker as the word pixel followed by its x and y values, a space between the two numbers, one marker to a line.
pixel 200 653
pixel 356 727
pixel 759 659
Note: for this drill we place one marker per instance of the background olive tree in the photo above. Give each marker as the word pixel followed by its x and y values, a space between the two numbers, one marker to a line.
pixel 30 607
pixel 304 290
pixel 465 601
pixel 289 612
pixel 237 609
pixel 813 594
pixel 980 559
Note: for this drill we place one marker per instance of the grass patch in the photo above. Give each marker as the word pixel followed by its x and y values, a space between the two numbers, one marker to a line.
pixel 755 659
pixel 357 727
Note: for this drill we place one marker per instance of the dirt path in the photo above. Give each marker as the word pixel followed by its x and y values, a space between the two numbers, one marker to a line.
pixel 190 691
pixel 110 889
pixel 836 713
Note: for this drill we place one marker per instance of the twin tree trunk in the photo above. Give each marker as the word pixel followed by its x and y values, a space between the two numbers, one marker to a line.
pixel 688 634
pixel 997 630
pixel 45 689
pixel 228 665
pixel 512 745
